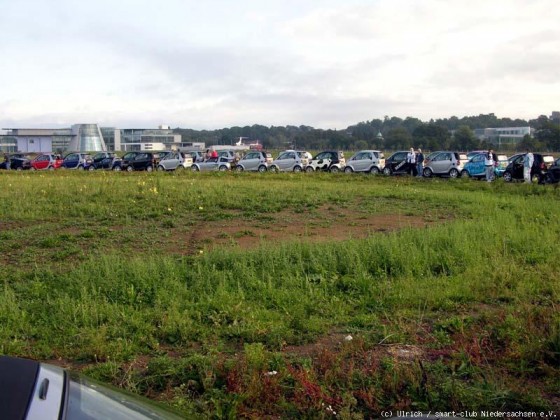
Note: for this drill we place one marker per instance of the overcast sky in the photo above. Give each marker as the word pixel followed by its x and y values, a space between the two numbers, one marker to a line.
pixel 210 64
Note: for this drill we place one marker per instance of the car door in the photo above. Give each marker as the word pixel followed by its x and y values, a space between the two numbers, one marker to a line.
pixel 71 161
pixel 42 162
pixel 442 163
pixel 517 167
pixel 398 162
pixel 286 161
pixel 251 161
pixel 476 165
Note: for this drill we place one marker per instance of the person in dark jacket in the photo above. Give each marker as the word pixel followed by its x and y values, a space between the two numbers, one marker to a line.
pixel 420 162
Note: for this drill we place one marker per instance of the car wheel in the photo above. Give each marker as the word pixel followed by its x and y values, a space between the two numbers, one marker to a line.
pixel 427 172
pixel 150 168
pixel 129 168
pixel 507 176
pixel 297 168
pixel 348 170
pixel 117 168
pixel 222 168
pixel 80 167
pixel 334 169
pixel 51 168
pixel 309 169
pixel 273 169
pixel 239 168
pixel 547 179
pixel 465 174
pixel 387 171
pixel 374 170
pixel 32 169
pixel 453 173
pixel 262 168
pixel 91 168
pixel 195 168
pixel 19 168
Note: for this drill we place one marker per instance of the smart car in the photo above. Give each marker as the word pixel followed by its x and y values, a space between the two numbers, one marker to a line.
pixel 290 160
pixel 46 161
pixel 79 161
pixel 444 164
pixel 254 161
pixel 372 161
pixel 330 161
pixel 32 390
pixel 553 174
pixel 514 171
pixel 212 164
pixel 396 164
pixel 175 161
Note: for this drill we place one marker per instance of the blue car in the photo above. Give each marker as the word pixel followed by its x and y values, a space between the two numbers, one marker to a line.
pixel 78 161
pixel 475 168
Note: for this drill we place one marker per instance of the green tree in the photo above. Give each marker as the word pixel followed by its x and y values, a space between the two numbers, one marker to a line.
pixel 398 138
pixel 464 139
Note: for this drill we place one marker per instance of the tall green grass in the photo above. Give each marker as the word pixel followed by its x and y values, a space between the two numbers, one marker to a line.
pixel 477 292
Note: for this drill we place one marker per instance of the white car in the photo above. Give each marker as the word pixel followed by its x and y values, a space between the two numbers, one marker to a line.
pixel 212 164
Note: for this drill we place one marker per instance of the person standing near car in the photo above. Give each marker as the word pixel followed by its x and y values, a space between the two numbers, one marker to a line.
pixel 489 165
pixel 7 161
pixel 528 160
pixel 420 162
pixel 411 161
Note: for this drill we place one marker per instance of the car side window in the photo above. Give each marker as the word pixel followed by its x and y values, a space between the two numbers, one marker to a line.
pixel 291 156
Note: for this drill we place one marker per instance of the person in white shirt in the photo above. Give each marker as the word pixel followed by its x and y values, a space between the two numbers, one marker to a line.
pixel 411 161
pixel 528 160
pixel 489 165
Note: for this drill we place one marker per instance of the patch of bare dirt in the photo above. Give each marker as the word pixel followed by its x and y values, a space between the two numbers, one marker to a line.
pixel 321 225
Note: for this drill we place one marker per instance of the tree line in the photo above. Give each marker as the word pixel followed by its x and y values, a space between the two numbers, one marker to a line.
pixel 389 133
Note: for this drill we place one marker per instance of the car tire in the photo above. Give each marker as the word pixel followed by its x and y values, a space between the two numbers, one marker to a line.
pixel 195 168
pixel 297 168
pixel 548 179
pixel 453 173
pixel 273 169
pixel 427 173
pixel 309 169
pixel 239 168
pixel 374 170
pixel 507 176
pixel 149 168
pixel 19 168
pixel 222 168
pixel 117 168
pixel 348 170
pixel 334 169
pixel 91 168
pixel 465 174
pixel 80 167
pixel 160 168
pixel 387 171
pixel 129 168
pixel 262 169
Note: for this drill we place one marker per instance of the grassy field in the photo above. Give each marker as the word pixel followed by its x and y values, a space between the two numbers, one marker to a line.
pixel 291 295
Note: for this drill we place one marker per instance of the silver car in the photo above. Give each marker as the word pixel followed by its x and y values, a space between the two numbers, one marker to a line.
pixel 443 163
pixel 175 160
pixel 254 161
pixel 212 164
pixel 290 160
pixel 372 161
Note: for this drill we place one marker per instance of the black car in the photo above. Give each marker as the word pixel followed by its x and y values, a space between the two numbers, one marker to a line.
pixel 396 164
pixel 18 162
pixel 553 174
pixel 514 170
pixel 31 390
pixel 140 161
pixel 105 160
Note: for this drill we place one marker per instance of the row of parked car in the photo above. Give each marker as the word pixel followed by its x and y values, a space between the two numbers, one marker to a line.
pixel 441 163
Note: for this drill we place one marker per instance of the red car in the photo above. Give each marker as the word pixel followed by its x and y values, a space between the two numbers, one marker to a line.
pixel 46 161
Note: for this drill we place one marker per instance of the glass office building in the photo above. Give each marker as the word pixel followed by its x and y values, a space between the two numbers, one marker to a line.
pixel 87 138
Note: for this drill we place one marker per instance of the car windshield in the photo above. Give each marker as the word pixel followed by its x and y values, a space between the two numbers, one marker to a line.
pixel 88 399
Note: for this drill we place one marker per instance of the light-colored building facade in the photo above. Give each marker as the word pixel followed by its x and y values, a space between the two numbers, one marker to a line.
pixel 503 136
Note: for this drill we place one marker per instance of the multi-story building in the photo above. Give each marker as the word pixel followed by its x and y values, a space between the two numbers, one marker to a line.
pixel 149 139
pixel 503 136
